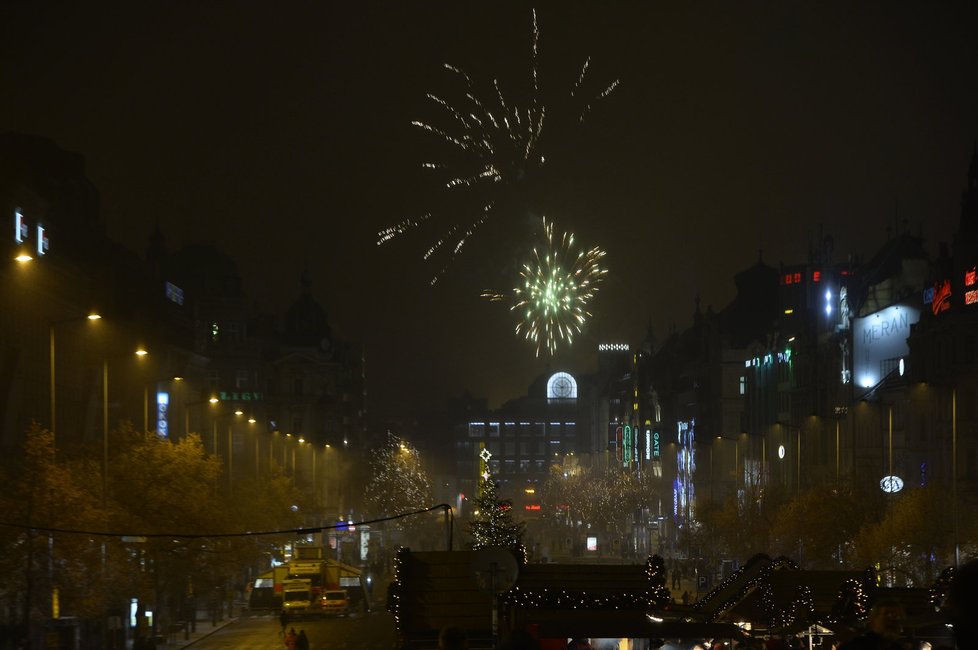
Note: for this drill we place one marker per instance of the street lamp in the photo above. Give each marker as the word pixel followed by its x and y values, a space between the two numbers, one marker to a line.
pixel 214 401
pixel 140 352
pixel 93 316
pixel 162 402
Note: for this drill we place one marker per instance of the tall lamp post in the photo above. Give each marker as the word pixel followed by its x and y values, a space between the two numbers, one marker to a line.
pixel 736 442
pixel 237 413
pixel 215 417
pixel 94 316
pixel 140 352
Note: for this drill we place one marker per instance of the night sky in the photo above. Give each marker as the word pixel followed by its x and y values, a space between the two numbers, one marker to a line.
pixel 281 132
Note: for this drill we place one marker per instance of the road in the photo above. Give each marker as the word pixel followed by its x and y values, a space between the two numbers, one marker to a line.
pixel 372 631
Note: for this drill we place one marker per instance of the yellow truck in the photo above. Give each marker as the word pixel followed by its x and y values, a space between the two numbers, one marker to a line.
pixel 297 599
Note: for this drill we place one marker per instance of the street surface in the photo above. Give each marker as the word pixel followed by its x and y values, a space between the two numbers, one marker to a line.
pixel 374 630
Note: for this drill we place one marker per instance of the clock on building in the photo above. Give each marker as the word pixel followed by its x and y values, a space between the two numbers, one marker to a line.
pixel 561 386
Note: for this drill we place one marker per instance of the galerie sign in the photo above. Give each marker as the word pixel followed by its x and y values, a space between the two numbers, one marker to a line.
pixel 880 341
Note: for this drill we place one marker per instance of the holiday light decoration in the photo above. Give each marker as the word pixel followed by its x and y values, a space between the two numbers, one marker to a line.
pixel 939 590
pixel 759 581
pixel 557 287
pixel 496 148
pixel 494 524
pixel 656 596
pixel 399 482
pixel 395 590
pixel 851 603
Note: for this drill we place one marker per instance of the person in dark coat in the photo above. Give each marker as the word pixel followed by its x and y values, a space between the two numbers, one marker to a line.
pixel 302 641
pixel 884 628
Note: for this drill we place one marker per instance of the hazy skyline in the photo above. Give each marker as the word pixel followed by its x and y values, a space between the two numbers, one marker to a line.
pixel 283 134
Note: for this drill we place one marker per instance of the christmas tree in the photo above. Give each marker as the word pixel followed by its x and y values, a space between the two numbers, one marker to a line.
pixel 493 524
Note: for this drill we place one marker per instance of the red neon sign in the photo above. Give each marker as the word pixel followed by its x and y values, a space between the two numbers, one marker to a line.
pixel 532 506
pixel 942 297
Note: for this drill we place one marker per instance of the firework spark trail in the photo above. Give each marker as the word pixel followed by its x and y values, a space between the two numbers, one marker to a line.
pixel 556 289
pixel 500 144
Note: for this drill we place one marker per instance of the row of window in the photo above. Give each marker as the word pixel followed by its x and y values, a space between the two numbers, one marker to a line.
pixel 520 429
pixel 517 467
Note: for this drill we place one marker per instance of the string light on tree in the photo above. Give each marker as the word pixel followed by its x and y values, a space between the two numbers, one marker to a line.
pixel 494 524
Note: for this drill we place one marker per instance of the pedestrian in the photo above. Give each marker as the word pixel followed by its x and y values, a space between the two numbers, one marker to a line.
pixel 452 638
pixel 291 640
pixel 883 628
pixel 283 618
pixel 302 642
pixel 685 598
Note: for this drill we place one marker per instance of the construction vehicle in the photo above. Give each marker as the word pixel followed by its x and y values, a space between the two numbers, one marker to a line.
pixel 321 575
pixel 297 599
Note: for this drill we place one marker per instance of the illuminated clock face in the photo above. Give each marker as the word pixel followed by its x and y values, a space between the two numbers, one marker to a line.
pixel 562 387
pixel 891 484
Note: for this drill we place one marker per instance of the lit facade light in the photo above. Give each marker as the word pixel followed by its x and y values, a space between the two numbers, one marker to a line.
pixel 213 400
pixel 94 316
pixel 141 352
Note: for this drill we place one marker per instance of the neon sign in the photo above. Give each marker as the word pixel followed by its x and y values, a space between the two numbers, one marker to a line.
pixel 22 233
pixel 942 297
pixel 628 447
pixel 20 227
pixel 162 406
